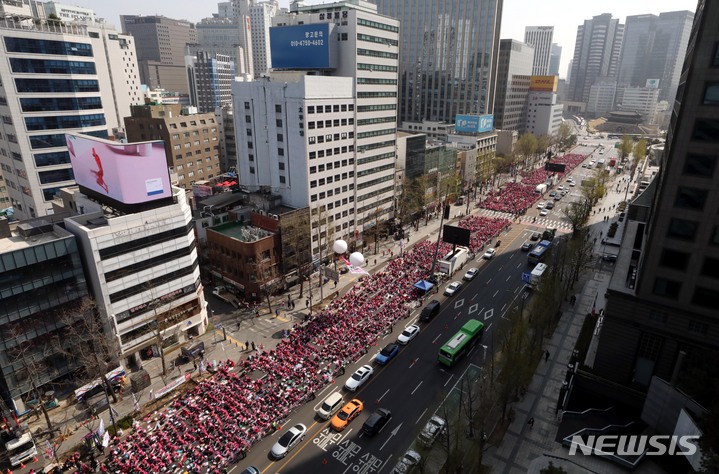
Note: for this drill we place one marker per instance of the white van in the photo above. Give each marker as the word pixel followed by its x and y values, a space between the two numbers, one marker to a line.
pixel 330 405
pixel 21 449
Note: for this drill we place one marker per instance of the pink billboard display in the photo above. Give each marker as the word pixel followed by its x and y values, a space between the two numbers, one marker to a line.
pixel 131 173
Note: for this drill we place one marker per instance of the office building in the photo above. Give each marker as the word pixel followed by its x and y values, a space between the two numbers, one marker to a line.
pixel 662 298
pixel 210 77
pixel 596 54
pixel 653 49
pixel 41 287
pixel 433 130
pixel 555 57
pixel 643 100
pixel 261 14
pixel 449 56
pixel 86 81
pixel 513 72
pixel 322 133
pixel 544 114
pixel 161 45
pixel 540 37
pixel 228 146
pixel 601 97
pixel 192 142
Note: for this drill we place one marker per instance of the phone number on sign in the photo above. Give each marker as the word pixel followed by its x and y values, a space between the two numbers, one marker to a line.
pixel 317 42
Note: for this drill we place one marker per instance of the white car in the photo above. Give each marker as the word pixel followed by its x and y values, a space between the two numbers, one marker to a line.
pixel 543 212
pixel 540 205
pixel 434 428
pixel 453 288
pixel 360 376
pixel 289 440
pixel 571 183
pixel 490 252
pixel 560 187
pixel 407 462
pixel 471 273
pixel 409 333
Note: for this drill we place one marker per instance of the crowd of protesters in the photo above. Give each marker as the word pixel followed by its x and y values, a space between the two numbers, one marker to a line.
pixel 214 424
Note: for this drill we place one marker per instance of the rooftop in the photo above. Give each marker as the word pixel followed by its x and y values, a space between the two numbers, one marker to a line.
pixel 25 234
pixel 239 231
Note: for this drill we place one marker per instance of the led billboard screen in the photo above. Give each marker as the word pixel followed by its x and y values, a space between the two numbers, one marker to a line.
pixel 473 123
pixel 301 46
pixel 130 173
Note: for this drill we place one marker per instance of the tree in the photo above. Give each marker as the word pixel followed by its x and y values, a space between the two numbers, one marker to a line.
pixel 515 357
pixel 54 20
pixel 577 213
pixel 563 137
pixel 625 147
pixel 640 152
pixel 526 146
pixel 543 142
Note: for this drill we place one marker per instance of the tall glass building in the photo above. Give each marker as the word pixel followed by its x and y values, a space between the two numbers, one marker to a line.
pixel 449 56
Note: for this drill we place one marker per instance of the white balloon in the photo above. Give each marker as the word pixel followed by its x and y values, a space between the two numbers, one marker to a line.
pixel 357 259
pixel 340 246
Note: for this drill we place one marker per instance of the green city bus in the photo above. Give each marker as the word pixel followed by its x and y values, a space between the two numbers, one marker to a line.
pixel 466 337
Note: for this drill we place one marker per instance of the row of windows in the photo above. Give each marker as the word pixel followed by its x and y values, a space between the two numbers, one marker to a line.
pixel 330 179
pixel 375 170
pixel 330 152
pixel 376 67
pixel 706 130
pixel 148 241
pixel 371 80
pixel 700 165
pixel 376 54
pixel 51 141
pixel 57 85
pixel 55 176
pixel 691 198
pixel 51 159
pixel 370 108
pixel 336 165
pixel 41 46
pixel 155 282
pixel 377 39
pixel 711 94
pixel 60 103
pixel 149 263
pixel 375 181
pixel 374 146
pixel 329 137
pixel 375 204
pixel 376 133
pixel 373 95
pixel 330 123
pixel 330 108
pixel 331 193
pixel 370 159
pixel 51 66
pixel 55 122
pixel 48 194
pixel 678 260
pixel 378 192
pixel 706 297
pixel 377 25
pixel 370 121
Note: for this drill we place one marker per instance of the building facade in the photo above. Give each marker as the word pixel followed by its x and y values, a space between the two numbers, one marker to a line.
pixel 596 54
pixel 540 37
pixel 143 271
pixel 161 45
pixel 228 145
pixel 67 12
pixel 513 71
pixel 555 57
pixel 653 49
pixel 327 140
pixel 644 100
pixel 192 142
pixel 42 285
pixel 209 79
pixel 601 97
pixel 83 81
pixel 544 114
pixel 443 43
pixel 663 294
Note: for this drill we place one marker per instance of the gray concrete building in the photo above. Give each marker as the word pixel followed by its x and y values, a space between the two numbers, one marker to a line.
pixel 513 71
pixel 540 37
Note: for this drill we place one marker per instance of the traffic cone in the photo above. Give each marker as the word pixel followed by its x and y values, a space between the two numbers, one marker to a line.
pixel 22 466
pixel 34 459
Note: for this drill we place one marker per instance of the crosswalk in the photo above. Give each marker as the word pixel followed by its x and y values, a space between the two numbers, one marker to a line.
pixel 540 221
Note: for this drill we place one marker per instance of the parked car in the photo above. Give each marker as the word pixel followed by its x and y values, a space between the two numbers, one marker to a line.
pixel 348 413
pixel 540 205
pixel 433 429
pixel 535 236
pixel 289 440
pixel 430 311
pixel 389 352
pixel 471 273
pixel 527 246
pixel 550 205
pixel 409 333
pixel 407 462
pixel 360 376
pixel 453 288
pixel 544 212
pixel 489 253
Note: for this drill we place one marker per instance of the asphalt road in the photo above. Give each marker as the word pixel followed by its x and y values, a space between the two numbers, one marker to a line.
pixel 413 384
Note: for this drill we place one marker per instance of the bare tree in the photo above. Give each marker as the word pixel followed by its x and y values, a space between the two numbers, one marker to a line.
pixel 577 213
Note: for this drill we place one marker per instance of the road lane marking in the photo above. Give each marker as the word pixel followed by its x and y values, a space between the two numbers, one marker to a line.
pixel 450 378
pixel 510 276
pixel 385 393
pixel 420 416
pixel 415 389
pixel 495 294
pixel 435 339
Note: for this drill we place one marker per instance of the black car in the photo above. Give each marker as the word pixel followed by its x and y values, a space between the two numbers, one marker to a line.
pixel 376 421
pixel 535 236
pixel 527 246
pixel 609 257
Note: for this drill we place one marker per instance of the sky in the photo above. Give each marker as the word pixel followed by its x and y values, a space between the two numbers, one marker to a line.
pixel 564 15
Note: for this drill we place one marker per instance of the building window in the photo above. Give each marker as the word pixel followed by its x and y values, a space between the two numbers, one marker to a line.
pixel 682 229
pixel 310 109
pixel 700 165
pixel 708 298
pixel 278 108
pixel 281 166
pixel 715 236
pixel 249 133
pixel 248 118
pixel 247 106
pixel 691 198
pixel 706 130
pixel 281 152
pixel 280 137
pixel 251 157
pixel 282 180
pixel 250 145
pixel 715 59
pixel 252 170
pixel 711 94
pixel 667 288
pixel 710 267
pixel 674 259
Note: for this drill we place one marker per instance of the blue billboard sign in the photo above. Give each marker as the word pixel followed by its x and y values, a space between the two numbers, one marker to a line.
pixel 474 123
pixel 301 46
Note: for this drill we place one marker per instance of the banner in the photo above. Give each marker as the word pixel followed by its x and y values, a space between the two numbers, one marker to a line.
pixel 172 386
pixel 101 428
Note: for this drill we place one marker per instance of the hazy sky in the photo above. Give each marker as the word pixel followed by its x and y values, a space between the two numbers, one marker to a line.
pixel 564 15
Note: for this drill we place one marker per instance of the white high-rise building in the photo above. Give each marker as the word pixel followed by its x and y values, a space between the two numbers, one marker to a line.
pixel 322 131
pixel 541 38
pixel 644 100
pixel 56 79
pixel 261 14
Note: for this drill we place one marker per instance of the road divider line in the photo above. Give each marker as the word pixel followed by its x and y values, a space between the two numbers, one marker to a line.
pixel 510 276
pixel 415 388
pixel 448 380
pixel 420 416
pixel 385 393
pixel 495 294
pixel 435 339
